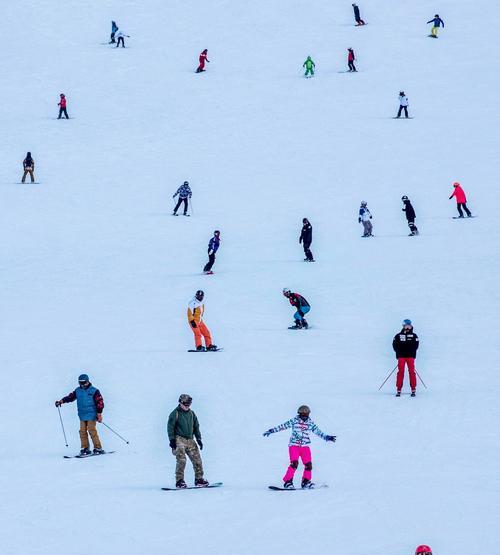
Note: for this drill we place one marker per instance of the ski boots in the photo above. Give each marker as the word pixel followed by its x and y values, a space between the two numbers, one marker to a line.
pixel 174 214
pixel 398 393
pixel 212 348
pixel 85 451
pixel 201 348
pixel 200 483
pixel 413 393
pixel 305 325
pixel 297 325
pixel 288 484
pixel 98 451
pixel 306 484
pixel 181 484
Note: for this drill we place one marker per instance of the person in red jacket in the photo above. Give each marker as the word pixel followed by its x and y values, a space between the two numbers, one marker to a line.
pixel 350 59
pixel 203 59
pixel 461 199
pixel 62 107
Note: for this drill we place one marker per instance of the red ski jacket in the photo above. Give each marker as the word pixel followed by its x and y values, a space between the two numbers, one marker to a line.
pixel 459 194
pixel 350 57
pixel 62 104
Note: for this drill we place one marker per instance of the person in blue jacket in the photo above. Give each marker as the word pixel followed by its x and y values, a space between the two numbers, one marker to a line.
pixel 213 247
pixel 185 193
pixel 437 22
pixel 114 28
pixel 90 404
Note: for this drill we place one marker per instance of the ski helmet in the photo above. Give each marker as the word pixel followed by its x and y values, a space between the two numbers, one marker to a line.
pixel 456 184
pixel 407 322
pixel 199 295
pixel 217 232
pixel 423 550
pixel 186 182
pixel 286 292
pixel 185 399
pixel 404 197
pixel 363 203
pixel 82 378
pixel 304 410
pixel 401 93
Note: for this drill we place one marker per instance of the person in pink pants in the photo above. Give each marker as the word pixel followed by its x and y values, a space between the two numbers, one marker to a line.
pixel 298 446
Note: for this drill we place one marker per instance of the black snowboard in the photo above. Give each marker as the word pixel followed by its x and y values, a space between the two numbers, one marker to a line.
pixel 214 485
pixel 87 456
pixel 464 218
pixel 195 351
pixel 316 486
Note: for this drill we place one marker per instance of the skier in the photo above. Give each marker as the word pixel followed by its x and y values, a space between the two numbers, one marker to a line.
pixel 405 345
pixel 213 247
pixel 403 104
pixel 437 22
pixel 309 65
pixel 90 405
pixel 184 192
pixel 120 35
pixel 202 59
pixel 114 28
pixel 410 215
pixel 62 106
pixel 28 167
pixel 302 306
pixel 350 59
pixel 195 311
pixel 461 199
pixel 364 217
pixel 423 550
pixel 306 239
pixel 298 447
pixel 182 427
pixel 357 17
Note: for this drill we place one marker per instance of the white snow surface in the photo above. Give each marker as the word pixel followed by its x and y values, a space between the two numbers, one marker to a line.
pixel 96 274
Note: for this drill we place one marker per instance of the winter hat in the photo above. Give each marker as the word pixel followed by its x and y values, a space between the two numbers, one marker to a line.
pixel 83 378
pixel 185 399
pixel 407 322
pixel 304 409
pixel 456 184
pixel 423 550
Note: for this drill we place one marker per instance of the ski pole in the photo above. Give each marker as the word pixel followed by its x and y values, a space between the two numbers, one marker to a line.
pixel 420 378
pixel 116 433
pixel 383 383
pixel 62 426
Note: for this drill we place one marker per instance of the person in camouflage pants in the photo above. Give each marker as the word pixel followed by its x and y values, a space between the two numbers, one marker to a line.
pixel 183 428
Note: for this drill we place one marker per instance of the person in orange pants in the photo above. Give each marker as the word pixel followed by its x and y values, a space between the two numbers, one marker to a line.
pixel 195 311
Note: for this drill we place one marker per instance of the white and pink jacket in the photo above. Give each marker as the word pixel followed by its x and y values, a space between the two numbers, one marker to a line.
pixel 300 430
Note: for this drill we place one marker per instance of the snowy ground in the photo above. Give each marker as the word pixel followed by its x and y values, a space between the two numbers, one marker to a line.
pixel 96 274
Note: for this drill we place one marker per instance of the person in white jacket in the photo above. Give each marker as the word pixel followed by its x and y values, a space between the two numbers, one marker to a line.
pixel 403 104
pixel 364 218
pixel 195 311
pixel 120 35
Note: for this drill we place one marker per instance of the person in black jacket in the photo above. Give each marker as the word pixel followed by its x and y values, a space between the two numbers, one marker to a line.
pixel 357 17
pixel 405 345
pixel 306 239
pixel 410 215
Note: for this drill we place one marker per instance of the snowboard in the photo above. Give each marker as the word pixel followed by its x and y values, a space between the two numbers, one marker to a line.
pixel 196 351
pixel 464 218
pixel 214 485
pixel 402 117
pixel 210 273
pixel 316 486
pixel 87 456
pixel 294 328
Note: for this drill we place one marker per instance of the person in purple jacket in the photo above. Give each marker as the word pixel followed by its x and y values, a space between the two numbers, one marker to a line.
pixel 213 247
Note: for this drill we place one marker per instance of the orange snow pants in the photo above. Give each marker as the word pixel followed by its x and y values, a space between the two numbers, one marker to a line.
pixel 201 331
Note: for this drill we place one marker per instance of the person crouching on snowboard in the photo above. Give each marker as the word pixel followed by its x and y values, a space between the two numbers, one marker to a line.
pixel 195 311
pixel 410 215
pixel 90 405
pixel 405 345
pixel 298 446
pixel 302 306
pixel 182 427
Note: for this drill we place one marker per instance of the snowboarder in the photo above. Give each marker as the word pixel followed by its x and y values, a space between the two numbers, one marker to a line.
pixel 28 167
pixel 403 104
pixel 184 192
pixel 437 22
pixel 357 17
pixel 90 405
pixel 306 239
pixel 461 199
pixel 195 311
pixel 302 306
pixel 213 247
pixel 350 59
pixel 298 447
pixel 120 35
pixel 423 550
pixel 62 106
pixel 309 65
pixel 202 59
pixel 182 428
pixel 410 215
pixel 405 345
pixel 364 218
pixel 114 28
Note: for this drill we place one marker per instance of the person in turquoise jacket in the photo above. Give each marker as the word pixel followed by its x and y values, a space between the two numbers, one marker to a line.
pixel 309 65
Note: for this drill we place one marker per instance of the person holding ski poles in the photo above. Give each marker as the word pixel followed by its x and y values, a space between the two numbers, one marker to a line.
pixel 306 239
pixel 437 22
pixel 410 215
pixel 62 106
pixel 184 192
pixel 364 218
pixel 350 59
pixel 298 447
pixel 403 104
pixel 202 59
pixel 309 65
pixel 213 247
pixel 90 405
pixel 302 306
pixel 114 28
pixel 357 17
pixel 461 199
pixel 405 345
pixel 195 312
pixel 29 168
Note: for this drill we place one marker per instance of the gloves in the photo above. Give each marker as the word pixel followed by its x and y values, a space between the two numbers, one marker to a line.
pixel 99 417
pixel 193 324
pixel 331 438
pixel 359 220
pixel 200 444
pixel 268 433
pixel 59 403
pixel 370 217
pixel 173 444
pixel 173 196
pixel 450 197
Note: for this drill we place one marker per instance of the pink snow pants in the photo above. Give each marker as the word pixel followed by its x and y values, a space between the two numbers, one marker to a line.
pixel 299 452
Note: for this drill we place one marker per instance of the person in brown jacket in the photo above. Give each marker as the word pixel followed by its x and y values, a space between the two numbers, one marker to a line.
pixel 29 168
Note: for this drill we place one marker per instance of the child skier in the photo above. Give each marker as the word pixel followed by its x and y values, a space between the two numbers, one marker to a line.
pixel 195 312
pixel 114 28
pixel 309 65
pixel 437 22
pixel 459 194
pixel 357 17
pixel 350 59
pixel 405 345
pixel 62 106
pixel 364 218
pixel 306 240
pixel 213 247
pixel 298 446
pixel 90 405
pixel 302 306
pixel 410 215
pixel 28 167
pixel 120 35
pixel 403 104
pixel 184 192
pixel 202 59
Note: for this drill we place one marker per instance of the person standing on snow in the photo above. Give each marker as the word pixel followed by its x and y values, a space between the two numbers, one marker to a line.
pixel 114 28
pixel 195 311
pixel 405 345
pixel 364 218
pixel 403 104
pixel 350 59
pixel 309 65
pixel 302 306
pixel 357 17
pixel 306 239
pixel 184 192
pixel 182 428
pixel 202 59
pixel 29 168
pixel 410 215
pixel 461 199
pixel 62 106
pixel 120 35
pixel 90 405
pixel 437 22
pixel 213 247
pixel 298 447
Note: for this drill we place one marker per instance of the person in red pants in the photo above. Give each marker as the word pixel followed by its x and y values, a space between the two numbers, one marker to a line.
pixel 203 59
pixel 405 345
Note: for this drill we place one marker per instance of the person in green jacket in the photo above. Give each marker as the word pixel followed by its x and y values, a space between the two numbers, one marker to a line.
pixel 182 427
pixel 309 65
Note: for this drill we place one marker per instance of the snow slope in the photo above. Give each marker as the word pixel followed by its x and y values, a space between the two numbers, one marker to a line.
pixel 96 274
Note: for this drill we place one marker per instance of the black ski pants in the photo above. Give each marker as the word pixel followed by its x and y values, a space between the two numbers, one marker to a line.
pixel 179 202
pixel 352 67
pixel 121 41
pixel 463 205
pixel 307 251
pixel 61 112
pixel 413 227
pixel 210 263
pixel 401 108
